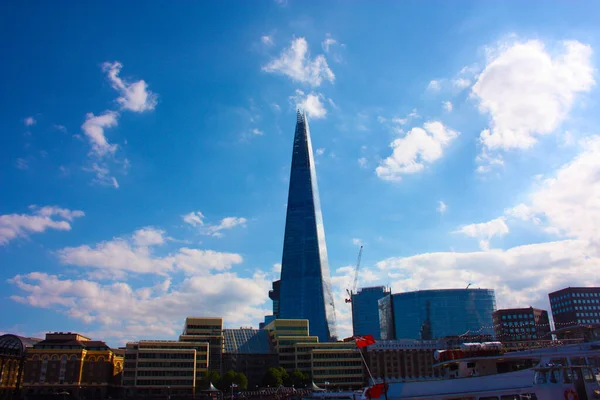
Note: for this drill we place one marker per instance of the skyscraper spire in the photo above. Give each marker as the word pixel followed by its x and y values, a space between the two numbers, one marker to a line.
pixel 305 279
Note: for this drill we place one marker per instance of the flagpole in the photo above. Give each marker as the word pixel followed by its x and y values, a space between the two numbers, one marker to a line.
pixel 366 365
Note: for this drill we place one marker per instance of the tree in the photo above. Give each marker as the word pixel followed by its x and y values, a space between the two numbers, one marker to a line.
pixel 298 378
pixel 285 377
pixel 227 380
pixel 240 380
pixel 273 378
pixel 211 377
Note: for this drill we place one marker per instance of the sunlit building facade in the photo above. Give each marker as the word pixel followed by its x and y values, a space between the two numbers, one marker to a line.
pixel 306 291
pixel 365 310
pixel 444 312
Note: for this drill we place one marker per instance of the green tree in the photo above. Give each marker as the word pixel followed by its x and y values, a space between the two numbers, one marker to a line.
pixel 285 377
pixel 227 380
pixel 240 380
pixel 298 378
pixel 273 378
pixel 211 377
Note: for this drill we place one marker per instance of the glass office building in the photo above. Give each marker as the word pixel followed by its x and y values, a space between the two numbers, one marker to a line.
pixel 452 312
pixel 365 311
pixel 305 279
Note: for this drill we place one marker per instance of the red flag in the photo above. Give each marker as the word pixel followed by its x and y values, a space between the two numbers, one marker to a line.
pixel 375 391
pixel 364 341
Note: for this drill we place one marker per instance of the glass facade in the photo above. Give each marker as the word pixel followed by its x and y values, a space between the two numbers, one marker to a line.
pixel 452 312
pixel 365 311
pixel 305 279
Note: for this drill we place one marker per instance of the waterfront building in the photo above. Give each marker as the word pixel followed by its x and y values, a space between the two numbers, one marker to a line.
pixel 576 312
pixel 403 359
pixel 284 334
pixel 209 330
pixel 521 327
pixel 13 354
pixel 70 362
pixel 164 367
pixel 365 311
pixel 306 291
pixel 275 296
pixel 440 313
pixel 250 352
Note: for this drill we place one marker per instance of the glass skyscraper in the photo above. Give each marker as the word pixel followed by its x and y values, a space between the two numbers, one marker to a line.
pixel 451 312
pixel 365 311
pixel 305 280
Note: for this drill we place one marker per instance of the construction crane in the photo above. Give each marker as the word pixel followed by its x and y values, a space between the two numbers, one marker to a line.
pixel 355 284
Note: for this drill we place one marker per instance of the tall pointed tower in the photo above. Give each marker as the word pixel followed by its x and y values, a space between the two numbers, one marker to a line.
pixel 305 278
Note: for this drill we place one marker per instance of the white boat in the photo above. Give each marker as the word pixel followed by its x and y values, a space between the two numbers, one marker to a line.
pixel 484 373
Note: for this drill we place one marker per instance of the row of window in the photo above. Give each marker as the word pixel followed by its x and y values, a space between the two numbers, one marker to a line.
pixel 65 358
pixel 588 321
pixel 165 382
pixel 211 327
pixel 165 365
pixel 165 373
pixel 518 323
pixel 170 356
pixel 517 316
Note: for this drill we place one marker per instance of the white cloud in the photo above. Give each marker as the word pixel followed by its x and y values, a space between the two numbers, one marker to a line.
pixel 276 107
pixel 94 127
pixel 362 162
pixel 328 42
pixel 521 276
pixel 569 201
pixel 196 219
pixel 320 151
pixel 267 40
pixel 148 236
pixel 434 85
pixel 461 83
pixel 447 106
pixel 29 121
pixel 257 132
pixel 485 231
pixel 528 92
pixel 40 220
pixel 152 312
pixel 357 242
pixel 103 176
pixel 22 164
pixel 295 62
pixel 311 103
pixel 442 207
pixel 487 161
pixel 416 149
pixel 277 268
pixel 114 258
pixel 134 96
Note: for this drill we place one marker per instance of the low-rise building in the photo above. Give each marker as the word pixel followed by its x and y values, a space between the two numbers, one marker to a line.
pixel 250 352
pixel 13 354
pixel 521 327
pixel 403 359
pixel 576 313
pixel 70 362
pixel 164 367
pixel 209 330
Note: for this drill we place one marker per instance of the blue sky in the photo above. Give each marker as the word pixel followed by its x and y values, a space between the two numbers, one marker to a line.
pixel 146 150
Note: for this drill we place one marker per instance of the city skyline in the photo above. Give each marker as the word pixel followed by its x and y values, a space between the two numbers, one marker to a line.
pixel 146 155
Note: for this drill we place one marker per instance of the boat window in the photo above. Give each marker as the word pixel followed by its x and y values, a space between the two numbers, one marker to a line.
pixel 528 396
pixel 568 375
pixel 577 361
pixel 489 398
pixel 558 361
pixel 588 376
pixel 540 377
pixel 555 376
pixel 510 397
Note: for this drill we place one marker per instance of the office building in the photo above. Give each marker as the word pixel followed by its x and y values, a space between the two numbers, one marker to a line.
pixel 70 362
pixel 437 313
pixel 249 351
pixel 365 311
pixel 275 295
pixel 403 359
pixel 13 354
pixel 209 330
pixel 521 327
pixel 164 367
pixel 306 291
pixel 576 312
